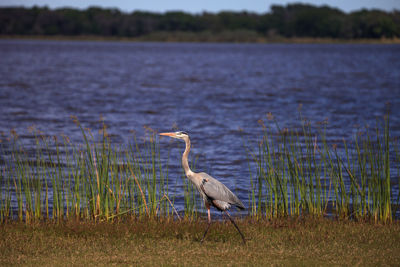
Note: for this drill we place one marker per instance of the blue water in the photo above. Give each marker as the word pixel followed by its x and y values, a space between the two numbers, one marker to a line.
pixel 208 90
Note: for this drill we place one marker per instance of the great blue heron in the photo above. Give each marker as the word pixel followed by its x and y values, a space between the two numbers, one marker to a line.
pixel 213 192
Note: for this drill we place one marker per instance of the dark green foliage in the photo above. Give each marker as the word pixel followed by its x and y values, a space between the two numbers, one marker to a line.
pixel 293 20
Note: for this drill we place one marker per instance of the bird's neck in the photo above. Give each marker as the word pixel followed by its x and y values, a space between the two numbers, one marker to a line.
pixel 185 156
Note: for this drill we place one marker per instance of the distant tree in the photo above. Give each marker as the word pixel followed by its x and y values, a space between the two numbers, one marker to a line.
pixel 17 20
pixel 238 21
pixel 292 20
pixel 180 21
pixel 140 23
pixel 373 24
pixel 307 20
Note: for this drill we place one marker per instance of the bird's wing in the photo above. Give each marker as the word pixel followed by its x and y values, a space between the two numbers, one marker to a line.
pixel 216 190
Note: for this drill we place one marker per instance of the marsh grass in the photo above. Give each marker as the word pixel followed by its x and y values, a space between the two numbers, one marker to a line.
pixel 300 173
pixel 292 173
pixel 92 181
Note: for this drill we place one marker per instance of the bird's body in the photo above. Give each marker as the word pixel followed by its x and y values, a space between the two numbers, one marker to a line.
pixel 213 192
pixel 216 194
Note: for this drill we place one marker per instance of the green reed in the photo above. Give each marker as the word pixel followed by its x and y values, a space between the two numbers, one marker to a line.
pixel 299 172
pixel 94 180
pixel 292 172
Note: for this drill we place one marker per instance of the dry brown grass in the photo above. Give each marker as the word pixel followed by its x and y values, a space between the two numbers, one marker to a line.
pixel 132 242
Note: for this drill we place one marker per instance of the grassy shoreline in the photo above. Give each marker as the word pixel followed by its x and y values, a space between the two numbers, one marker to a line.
pixel 289 242
pixel 182 37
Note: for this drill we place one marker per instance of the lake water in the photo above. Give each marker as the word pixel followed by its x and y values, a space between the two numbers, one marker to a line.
pixel 208 90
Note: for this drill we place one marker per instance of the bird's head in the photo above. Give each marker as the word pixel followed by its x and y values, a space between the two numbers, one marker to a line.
pixel 177 135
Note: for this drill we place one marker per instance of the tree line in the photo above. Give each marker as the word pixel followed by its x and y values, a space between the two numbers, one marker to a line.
pixel 292 20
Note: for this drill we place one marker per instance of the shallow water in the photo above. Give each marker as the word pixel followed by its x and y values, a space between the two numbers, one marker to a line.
pixel 208 90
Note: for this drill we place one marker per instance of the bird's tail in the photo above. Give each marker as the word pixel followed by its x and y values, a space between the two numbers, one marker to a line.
pixel 240 205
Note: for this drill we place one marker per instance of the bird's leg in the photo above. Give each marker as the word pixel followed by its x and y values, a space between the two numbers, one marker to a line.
pixel 208 226
pixel 209 215
pixel 230 218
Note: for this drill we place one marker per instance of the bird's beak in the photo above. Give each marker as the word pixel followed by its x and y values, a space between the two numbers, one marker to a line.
pixel 168 134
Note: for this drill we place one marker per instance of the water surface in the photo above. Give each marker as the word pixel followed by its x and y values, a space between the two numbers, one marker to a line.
pixel 208 90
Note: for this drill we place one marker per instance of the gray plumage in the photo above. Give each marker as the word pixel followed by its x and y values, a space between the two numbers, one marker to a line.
pixel 220 195
pixel 213 192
